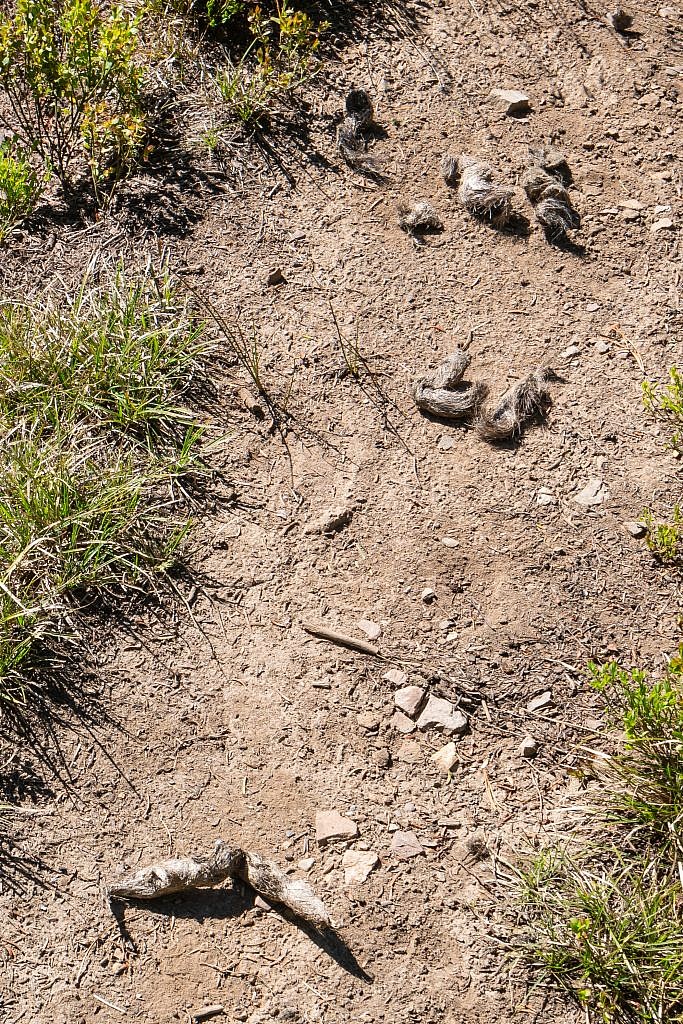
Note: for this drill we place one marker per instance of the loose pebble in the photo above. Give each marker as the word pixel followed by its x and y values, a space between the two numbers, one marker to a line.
pixel 371 629
pixel 402 723
pixel 635 529
pixel 528 747
pixel 409 699
pixel 594 493
pixel 445 757
pixel 428 595
pixel 396 677
pixel 330 825
pixel 440 714
pixel 357 865
pixel 406 845
pixel 511 101
pixel 543 700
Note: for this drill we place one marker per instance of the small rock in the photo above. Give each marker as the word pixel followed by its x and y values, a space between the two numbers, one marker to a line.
pixel 528 747
pixel 371 629
pixel 409 751
pixel 445 443
pixel 570 352
pixel 440 714
pixel 446 624
pixel 207 1012
pixel 396 677
pixel 511 101
pixel 368 720
pixel 276 277
pixel 250 403
pixel 544 496
pixel 446 757
pixel 261 903
pixel 381 756
pixel 632 204
pixel 409 699
pixel 335 519
pixel 449 542
pixel 630 216
pixel 406 845
pixel 543 700
pixel 594 493
pixel 665 224
pixel 592 307
pixel 331 825
pixel 602 347
pixel 635 529
pixel 659 210
pixel 306 863
pixel 357 865
pixel 428 595
pixel 402 723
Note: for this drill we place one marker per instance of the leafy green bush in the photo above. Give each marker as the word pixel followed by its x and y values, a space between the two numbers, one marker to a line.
pixel 20 186
pixel 73 86
pixel 665 540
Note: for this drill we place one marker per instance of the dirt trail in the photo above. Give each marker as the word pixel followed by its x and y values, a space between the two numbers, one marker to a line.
pixel 234 723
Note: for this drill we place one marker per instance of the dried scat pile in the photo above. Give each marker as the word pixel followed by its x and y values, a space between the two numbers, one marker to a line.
pixel 418 219
pixel 551 202
pixel 351 141
pixel 442 393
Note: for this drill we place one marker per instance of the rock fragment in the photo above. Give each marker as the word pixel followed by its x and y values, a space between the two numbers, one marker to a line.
pixel 409 699
pixel 402 723
pixel 396 677
pixel 445 757
pixel 511 101
pixel 330 825
pixel 528 747
pixel 371 629
pixel 357 865
pixel 406 845
pixel 540 702
pixel 665 224
pixel 593 494
pixel 441 715
pixel 635 529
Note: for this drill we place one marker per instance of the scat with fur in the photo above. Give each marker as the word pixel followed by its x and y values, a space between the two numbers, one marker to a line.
pixel 526 399
pixel 481 195
pixel 441 393
pixel 418 218
pixel 551 202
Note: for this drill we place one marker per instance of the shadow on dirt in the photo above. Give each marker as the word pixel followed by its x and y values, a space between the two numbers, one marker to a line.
pixel 204 905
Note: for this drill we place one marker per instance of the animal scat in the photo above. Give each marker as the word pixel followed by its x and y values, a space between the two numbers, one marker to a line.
pixel 526 399
pixel 551 202
pixel 442 393
pixel 418 218
pixel 481 195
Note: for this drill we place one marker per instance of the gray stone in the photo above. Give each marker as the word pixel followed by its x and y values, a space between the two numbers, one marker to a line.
pixel 511 101
pixel 594 493
pixel 665 224
pixel 635 529
pixel 570 352
pixel 409 699
pixel 331 825
pixel 602 347
pixel 428 595
pixel 440 714
pixel 402 723
pixel 396 677
pixel 538 703
pixel 371 629
pixel 406 845
pixel 357 865
pixel 528 747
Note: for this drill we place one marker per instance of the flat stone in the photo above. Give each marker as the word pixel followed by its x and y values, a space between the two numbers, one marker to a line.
pixel 665 224
pixel 357 865
pixel 406 845
pixel 428 595
pixel 335 519
pixel 402 723
pixel 306 863
pixel 368 720
pixel 543 700
pixel 409 699
pixel 635 529
pixel 440 714
pixel 602 347
pixel 571 352
pixel 331 825
pixel 544 496
pixel 631 204
pixel 449 542
pixel 446 757
pixel 371 629
pixel 594 493
pixel 528 747
pixel 511 100
pixel 410 751
pixel 396 677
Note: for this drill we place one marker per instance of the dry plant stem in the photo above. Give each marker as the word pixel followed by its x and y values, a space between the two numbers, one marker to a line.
pixel 479 193
pixel 322 633
pixel 441 394
pixel 226 861
pixel 517 406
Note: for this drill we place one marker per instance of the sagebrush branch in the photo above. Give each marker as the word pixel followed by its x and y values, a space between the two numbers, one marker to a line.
pixel 182 874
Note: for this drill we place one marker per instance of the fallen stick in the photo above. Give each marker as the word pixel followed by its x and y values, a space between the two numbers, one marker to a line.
pixel 185 873
pixel 341 638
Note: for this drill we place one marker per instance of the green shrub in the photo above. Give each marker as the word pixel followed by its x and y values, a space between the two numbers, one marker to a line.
pixel 666 403
pixel 20 186
pixel 73 86
pixel 665 540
